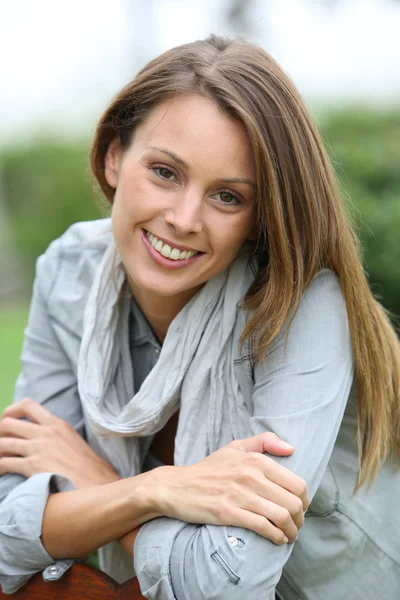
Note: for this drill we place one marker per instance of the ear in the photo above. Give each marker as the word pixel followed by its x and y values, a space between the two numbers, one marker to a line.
pixel 112 162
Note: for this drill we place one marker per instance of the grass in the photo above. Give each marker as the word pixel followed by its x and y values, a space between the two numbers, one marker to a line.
pixel 12 323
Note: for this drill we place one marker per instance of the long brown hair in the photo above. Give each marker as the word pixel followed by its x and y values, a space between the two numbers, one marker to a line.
pixel 304 225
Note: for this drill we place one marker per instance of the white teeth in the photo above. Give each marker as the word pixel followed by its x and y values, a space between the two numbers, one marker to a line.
pixel 167 251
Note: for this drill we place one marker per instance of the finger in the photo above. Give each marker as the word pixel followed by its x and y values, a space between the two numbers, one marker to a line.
pixel 282 519
pixel 32 410
pixel 256 481
pixel 263 442
pixel 287 501
pixel 17 428
pixel 14 465
pixel 10 446
pixel 285 479
pixel 258 524
pixel 274 445
pixel 276 514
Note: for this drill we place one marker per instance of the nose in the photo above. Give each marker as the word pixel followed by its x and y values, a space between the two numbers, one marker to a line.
pixel 185 212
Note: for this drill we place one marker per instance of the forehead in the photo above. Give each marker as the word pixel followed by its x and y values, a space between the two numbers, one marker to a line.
pixel 194 128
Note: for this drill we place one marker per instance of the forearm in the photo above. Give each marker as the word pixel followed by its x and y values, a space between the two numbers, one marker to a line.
pixel 78 522
pixel 127 541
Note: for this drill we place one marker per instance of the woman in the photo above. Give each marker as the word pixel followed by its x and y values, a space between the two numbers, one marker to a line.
pixel 226 307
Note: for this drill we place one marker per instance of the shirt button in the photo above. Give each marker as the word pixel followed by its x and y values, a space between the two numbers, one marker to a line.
pixel 232 541
pixel 157 351
pixel 53 570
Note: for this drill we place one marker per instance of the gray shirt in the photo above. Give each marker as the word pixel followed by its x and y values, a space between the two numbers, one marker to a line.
pixel 144 349
pixel 143 344
pixel 348 547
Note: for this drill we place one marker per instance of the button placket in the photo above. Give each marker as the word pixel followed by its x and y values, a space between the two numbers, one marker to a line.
pixel 235 542
pixel 232 541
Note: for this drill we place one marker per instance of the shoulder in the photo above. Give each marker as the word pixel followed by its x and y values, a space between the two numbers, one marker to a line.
pixel 325 284
pixel 80 238
pixel 322 311
pixel 66 270
pixel 323 301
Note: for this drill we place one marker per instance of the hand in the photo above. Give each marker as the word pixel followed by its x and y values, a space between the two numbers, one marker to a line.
pixel 47 444
pixel 239 486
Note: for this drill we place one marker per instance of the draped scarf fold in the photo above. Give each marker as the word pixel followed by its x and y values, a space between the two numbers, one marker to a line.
pixel 196 364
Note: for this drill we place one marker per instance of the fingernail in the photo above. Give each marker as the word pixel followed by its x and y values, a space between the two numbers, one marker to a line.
pixel 285 540
pixel 287 446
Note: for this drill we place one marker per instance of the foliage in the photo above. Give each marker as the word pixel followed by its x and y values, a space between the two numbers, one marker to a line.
pixel 47 188
pixel 365 151
pixel 12 323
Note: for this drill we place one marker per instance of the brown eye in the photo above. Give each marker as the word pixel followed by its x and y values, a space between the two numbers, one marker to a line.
pixel 164 172
pixel 228 198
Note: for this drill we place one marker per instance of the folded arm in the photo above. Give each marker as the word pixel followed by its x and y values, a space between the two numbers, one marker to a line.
pixel 300 394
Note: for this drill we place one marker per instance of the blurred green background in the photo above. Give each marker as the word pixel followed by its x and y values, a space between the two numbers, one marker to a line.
pixel 46 187
pixel 12 323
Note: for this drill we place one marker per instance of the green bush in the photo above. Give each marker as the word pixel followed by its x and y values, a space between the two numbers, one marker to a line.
pixel 46 189
pixel 12 323
pixel 365 151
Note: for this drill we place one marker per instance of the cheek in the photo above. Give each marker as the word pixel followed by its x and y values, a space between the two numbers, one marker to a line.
pixel 230 238
pixel 130 200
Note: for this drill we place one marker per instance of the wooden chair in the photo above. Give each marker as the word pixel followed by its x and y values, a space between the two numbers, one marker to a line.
pixel 80 582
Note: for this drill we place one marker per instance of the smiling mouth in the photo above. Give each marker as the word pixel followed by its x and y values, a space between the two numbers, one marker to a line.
pixel 169 251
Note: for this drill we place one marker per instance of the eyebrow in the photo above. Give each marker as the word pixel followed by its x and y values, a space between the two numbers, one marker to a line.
pixel 174 156
pixel 181 162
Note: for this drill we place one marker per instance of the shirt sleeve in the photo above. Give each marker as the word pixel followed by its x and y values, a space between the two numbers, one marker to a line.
pixel 48 378
pixel 300 393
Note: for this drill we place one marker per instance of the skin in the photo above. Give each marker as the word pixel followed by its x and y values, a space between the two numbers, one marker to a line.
pixel 237 485
pixel 193 205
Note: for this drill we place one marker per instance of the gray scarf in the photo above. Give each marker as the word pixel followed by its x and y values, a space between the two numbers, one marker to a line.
pixel 195 366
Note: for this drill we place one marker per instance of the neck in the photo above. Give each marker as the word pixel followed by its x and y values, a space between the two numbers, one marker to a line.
pixel 160 310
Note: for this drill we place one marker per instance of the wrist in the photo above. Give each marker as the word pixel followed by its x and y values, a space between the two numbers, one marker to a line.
pixel 97 479
pixel 146 494
pixel 159 489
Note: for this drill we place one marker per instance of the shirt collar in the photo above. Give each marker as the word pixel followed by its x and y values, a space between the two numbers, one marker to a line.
pixel 140 329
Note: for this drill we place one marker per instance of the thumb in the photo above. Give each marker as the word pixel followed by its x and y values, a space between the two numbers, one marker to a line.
pixel 263 442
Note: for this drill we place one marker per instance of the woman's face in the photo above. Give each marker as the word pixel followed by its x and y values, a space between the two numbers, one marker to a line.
pixel 188 179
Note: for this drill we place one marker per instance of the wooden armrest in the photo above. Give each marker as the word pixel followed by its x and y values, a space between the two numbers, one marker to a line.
pixel 80 582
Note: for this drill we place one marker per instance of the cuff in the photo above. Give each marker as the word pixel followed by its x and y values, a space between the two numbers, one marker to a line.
pixel 22 553
pixel 178 560
pixel 152 554
pixel 175 560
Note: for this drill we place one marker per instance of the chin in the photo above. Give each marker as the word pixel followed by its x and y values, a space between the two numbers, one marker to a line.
pixel 155 285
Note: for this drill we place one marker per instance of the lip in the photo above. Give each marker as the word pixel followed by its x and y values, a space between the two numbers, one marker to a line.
pixel 172 244
pixel 167 263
